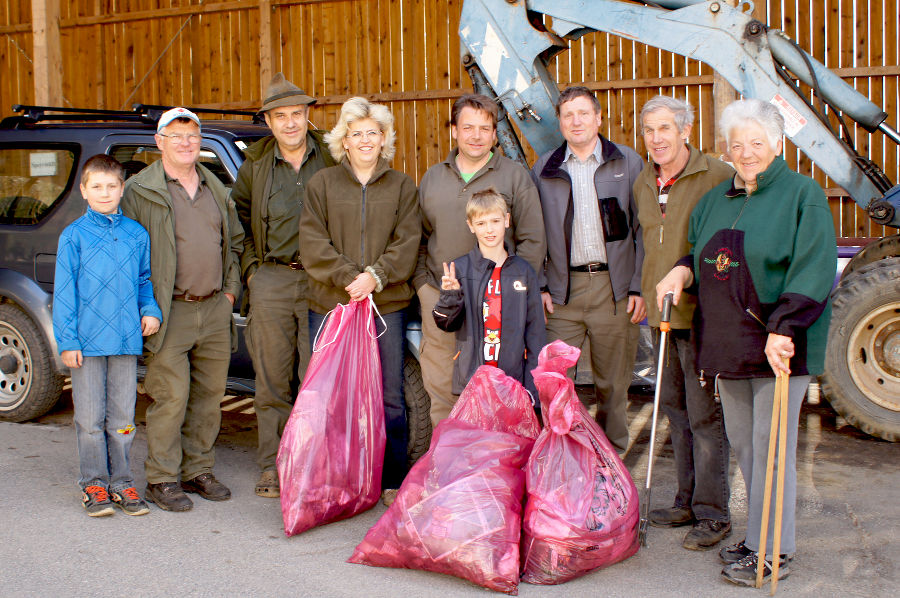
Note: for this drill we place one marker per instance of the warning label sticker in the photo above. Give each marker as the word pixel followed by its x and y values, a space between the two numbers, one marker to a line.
pixel 793 120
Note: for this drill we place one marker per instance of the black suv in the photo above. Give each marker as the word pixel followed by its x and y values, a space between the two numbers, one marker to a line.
pixel 42 151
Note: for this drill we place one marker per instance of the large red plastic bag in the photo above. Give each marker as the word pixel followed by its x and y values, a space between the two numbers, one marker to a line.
pixel 459 510
pixel 332 450
pixel 582 508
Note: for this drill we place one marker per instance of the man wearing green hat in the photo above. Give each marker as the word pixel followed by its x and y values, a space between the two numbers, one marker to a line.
pixel 269 195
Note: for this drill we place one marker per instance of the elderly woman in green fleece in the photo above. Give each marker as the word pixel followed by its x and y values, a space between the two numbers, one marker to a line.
pixel 763 265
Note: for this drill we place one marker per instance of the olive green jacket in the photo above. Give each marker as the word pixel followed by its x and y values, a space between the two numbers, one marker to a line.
pixel 665 240
pixel 147 200
pixel 252 190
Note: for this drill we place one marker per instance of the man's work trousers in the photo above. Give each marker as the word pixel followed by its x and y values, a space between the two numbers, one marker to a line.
pixel 186 380
pixel 696 428
pixel 592 311
pixel 277 336
pixel 436 357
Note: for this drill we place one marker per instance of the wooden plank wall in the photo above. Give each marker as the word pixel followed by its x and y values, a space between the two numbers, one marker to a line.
pixel 406 53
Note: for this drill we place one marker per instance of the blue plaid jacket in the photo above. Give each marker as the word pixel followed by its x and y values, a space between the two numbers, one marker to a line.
pixel 102 287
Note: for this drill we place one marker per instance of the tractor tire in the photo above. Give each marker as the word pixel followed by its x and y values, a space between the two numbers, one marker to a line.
pixel 418 409
pixel 885 247
pixel 862 360
pixel 29 386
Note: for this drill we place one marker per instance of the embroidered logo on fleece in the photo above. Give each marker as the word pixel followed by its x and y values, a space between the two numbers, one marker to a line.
pixel 724 263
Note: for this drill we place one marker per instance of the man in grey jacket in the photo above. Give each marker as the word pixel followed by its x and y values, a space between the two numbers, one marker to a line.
pixel 269 195
pixel 473 165
pixel 594 252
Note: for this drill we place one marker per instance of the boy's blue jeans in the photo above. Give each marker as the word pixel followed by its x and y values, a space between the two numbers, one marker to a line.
pixel 104 391
pixel 391 345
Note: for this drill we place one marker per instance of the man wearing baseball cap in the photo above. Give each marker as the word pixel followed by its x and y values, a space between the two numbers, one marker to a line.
pixel 195 246
pixel 269 195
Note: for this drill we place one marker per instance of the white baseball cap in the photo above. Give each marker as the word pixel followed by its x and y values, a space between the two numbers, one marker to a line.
pixel 170 115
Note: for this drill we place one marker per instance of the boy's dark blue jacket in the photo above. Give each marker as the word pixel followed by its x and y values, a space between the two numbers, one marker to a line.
pixel 522 331
pixel 102 287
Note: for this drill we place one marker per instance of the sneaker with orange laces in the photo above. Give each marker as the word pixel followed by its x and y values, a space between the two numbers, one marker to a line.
pixel 130 502
pixel 95 500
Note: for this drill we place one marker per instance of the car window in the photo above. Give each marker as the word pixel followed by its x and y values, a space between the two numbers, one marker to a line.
pixel 32 180
pixel 137 157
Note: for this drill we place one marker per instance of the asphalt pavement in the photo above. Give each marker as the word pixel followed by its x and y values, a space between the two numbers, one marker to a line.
pixel 848 517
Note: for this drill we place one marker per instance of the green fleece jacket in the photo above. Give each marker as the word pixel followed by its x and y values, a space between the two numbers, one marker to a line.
pixel 790 258
pixel 346 227
pixel 666 239
pixel 147 200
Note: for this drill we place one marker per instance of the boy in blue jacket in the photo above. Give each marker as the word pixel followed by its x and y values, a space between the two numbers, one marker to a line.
pixel 102 305
pixel 492 300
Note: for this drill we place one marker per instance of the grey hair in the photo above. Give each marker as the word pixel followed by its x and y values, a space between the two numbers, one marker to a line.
pixel 742 112
pixel 684 112
pixel 356 109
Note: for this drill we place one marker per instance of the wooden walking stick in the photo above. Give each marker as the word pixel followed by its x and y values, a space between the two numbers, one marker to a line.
pixel 779 487
pixel 779 413
pixel 767 492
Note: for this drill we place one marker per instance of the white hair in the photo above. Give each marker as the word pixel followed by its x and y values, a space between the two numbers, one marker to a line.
pixel 356 109
pixel 684 112
pixel 740 113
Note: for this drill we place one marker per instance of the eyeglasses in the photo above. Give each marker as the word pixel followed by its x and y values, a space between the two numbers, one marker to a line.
pixel 191 138
pixel 359 135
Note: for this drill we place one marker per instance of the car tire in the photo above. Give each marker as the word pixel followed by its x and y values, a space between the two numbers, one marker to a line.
pixel 874 252
pixel 29 386
pixel 862 359
pixel 418 409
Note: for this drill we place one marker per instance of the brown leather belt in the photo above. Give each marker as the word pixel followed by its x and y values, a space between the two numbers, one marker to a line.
pixel 594 267
pixel 194 298
pixel 291 265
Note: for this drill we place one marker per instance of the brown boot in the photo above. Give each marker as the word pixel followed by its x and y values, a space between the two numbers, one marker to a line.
pixel 706 533
pixel 168 497
pixel 207 486
pixel 671 517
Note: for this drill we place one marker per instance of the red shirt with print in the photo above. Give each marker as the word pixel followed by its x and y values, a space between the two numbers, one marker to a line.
pixel 491 309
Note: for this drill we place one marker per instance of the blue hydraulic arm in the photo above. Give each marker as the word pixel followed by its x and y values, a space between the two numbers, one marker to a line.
pixel 507 42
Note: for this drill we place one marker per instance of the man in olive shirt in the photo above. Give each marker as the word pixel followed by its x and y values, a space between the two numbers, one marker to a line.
pixel 195 246
pixel 269 194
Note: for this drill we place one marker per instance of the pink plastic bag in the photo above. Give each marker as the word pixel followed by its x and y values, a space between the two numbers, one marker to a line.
pixel 459 509
pixel 582 508
pixel 332 449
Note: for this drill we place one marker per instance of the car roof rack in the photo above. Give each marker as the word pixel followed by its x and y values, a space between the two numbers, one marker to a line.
pixel 141 113
pixel 32 114
pixel 154 111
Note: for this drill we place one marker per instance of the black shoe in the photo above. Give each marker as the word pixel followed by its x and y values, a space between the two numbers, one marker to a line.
pixel 207 486
pixel 733 553
pixel 168 496
pixel 671 517
pixel 130 502
pixel 743 572
pixel 706 534
pixel 95 500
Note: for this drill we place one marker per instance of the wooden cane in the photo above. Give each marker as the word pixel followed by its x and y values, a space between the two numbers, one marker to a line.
pixel 770 466
pixel 779 487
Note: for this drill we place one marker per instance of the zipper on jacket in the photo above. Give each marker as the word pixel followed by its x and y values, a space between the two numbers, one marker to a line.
pixel 755 317
pixel 362 236
pixel 746 200
pixel 119 289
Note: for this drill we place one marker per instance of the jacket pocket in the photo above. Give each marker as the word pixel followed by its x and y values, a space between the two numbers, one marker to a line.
pixel 615 222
